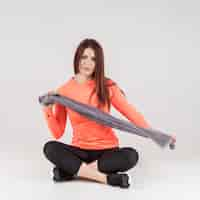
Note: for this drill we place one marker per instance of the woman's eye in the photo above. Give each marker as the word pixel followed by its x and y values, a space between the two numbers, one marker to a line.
pixel 83 57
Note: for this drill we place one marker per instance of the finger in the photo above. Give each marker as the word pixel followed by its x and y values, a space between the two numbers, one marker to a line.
pixel 173 139
pixel 51 92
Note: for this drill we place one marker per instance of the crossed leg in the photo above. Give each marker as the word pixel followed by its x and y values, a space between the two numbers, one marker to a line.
pixel 118 160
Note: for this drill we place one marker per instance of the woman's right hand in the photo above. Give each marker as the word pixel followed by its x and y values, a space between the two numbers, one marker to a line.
pixel 50 93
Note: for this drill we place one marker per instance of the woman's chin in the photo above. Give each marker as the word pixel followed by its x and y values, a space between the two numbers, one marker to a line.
pixel 86 74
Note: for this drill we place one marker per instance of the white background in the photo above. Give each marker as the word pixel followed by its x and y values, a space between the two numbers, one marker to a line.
pixel 151 50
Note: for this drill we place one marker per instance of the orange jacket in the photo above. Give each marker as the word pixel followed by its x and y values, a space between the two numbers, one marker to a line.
pixel 88 134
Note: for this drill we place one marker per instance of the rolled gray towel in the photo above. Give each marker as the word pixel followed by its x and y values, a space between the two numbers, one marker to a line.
pixel 106 119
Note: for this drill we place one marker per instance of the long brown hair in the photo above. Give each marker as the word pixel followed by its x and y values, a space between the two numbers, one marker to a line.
pixel 102 82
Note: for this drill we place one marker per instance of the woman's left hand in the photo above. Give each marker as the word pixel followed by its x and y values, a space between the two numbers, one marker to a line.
pixel 173 139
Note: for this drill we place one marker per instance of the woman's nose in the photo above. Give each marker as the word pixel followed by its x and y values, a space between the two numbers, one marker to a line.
pixel 87 62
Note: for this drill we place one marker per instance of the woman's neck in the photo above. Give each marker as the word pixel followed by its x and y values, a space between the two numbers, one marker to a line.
pixel 81 78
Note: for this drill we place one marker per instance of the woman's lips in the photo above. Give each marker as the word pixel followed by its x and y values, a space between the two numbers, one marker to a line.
pixel 86 68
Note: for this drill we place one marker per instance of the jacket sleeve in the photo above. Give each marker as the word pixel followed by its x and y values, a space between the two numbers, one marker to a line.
pixel 119 101
pixel 56 118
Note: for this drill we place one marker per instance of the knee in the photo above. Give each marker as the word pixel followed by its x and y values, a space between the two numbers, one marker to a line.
pixel 49 148
pixel 132 157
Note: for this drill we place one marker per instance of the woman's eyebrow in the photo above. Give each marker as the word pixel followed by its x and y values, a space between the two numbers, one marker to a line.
pixel 85 55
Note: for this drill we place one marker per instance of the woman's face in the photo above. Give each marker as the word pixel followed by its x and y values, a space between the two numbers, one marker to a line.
pixel 87 62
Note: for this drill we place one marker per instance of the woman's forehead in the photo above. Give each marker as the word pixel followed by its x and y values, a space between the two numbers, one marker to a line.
pixel 89 51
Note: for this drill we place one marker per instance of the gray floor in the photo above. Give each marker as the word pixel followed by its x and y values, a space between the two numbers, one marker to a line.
pixel 28 176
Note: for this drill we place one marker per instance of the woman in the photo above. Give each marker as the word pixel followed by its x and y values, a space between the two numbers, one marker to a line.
pixel 94 152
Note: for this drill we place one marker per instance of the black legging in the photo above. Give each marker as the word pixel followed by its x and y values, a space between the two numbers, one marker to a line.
pixel 69 158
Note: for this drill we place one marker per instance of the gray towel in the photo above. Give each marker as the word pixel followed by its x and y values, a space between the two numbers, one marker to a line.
pixel 106 119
